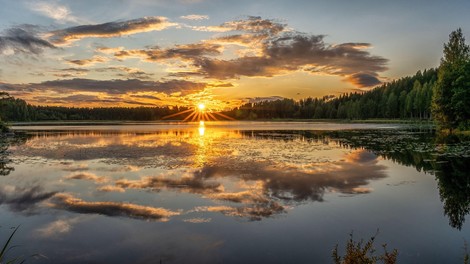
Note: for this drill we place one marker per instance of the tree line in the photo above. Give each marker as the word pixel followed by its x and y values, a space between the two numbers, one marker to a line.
pixel 14 109
pixel 406 98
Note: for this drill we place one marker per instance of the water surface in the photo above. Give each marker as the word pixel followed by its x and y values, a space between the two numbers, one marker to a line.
pixel 233 192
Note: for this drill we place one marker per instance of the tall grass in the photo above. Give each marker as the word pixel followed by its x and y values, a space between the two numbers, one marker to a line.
pixel 7 247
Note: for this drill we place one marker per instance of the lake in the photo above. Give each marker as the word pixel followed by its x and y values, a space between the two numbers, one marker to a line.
pixel 232 192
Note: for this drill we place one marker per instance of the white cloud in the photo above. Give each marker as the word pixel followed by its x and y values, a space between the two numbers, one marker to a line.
pixel 59 13
pixel 195 17
pixel 59 227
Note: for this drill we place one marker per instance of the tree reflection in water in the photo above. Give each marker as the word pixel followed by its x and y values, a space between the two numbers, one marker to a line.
pixel 445 156
pixel 5 144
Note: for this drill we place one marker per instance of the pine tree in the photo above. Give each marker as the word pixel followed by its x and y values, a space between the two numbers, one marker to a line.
pixel 456 55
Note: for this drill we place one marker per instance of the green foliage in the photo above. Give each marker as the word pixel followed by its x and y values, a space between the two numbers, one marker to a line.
pixel 3 127
pixel 363 253
pixel 450 105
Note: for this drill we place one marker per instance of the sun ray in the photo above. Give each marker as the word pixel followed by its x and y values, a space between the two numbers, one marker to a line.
pixel 177 114
pixel 189 116
pixel 211 116
pixel 225 116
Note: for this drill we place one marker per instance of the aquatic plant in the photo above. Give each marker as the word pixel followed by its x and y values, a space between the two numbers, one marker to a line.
pixel 364 253
pixel 7 247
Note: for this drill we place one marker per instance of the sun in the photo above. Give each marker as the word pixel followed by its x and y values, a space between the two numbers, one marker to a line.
pixel 200 112
pixel 201 107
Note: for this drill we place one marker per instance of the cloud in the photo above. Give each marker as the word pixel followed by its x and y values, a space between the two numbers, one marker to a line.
pixel 127 72
pixel 58 227
pixel 88 62
pixel 268 48
pixel 67 202
pixel 240 185
pixel 187 184
pixel 197 220
pixel 110 29
pixel 256 25
pixel 364 79
pixel 108 50
pixel 111 188
pixel 209 28
pixel 144 96
pixel 87 176
pixel 255 213
pixel 298 52
pixel 58 12
pixel 270 187
pixel 111 87
pixel 23 199
pixel 123 86
pixel 292 184
pixel 23 39
pixel 70 72
pixel 183 52
pixel 195 17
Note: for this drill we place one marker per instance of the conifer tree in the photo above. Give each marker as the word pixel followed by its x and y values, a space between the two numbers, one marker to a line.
pixel 451 82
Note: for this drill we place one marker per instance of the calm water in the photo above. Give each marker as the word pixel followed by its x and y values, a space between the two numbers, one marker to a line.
pixel 246 192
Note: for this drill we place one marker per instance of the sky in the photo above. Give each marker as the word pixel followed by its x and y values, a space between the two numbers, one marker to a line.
pixel 220 53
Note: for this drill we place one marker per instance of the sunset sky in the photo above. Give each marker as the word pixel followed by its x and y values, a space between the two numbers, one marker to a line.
pixel 162 52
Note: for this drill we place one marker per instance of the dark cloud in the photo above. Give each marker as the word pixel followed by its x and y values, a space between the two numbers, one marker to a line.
pixel 24 199
pixel 188 184
pixel 23 39
pixel 110 29
pixel 86 176
pixel 256 25
pixel 112 87
pixel 144 96
pixel 70 72
pixel 364 79
pixel 124 86
pixel 271 49
pixel 295 52
pixel 126 72
pixel 184 52
pixel 67 202
pixel 88 62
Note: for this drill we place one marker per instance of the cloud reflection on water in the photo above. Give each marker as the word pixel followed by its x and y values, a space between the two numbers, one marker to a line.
pixel 24 199
pixel 67 202
pixel 244 176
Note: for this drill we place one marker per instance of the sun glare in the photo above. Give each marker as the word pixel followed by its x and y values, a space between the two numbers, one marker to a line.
pixel 201 107
pixel 200 112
